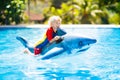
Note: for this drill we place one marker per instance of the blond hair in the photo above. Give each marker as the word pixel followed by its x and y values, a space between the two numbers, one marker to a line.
pixel 53 19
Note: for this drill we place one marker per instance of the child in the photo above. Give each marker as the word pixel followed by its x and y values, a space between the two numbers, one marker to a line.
pixel 50 35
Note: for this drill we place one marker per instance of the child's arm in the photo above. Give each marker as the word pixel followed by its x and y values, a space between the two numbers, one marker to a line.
pixel 54 39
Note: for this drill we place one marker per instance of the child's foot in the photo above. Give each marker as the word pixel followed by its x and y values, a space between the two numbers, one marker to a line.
pixel 26 51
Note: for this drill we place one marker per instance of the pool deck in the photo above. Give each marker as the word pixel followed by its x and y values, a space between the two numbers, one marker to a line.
pixel 62 26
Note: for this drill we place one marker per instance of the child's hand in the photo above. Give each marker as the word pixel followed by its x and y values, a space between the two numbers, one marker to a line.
pixel 59 40
pixel 57 37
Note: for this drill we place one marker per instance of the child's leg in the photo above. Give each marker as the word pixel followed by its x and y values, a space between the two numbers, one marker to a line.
pixel 37 51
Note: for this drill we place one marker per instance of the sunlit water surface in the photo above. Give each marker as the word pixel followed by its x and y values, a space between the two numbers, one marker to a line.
pixel 100 62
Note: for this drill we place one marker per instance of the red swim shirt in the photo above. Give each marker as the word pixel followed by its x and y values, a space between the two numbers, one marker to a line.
pixel 50 33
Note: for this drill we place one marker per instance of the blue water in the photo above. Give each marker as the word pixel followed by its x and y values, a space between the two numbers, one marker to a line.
pixel 100 62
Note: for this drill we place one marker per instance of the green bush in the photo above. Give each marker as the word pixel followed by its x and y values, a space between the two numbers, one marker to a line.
pixel 11 11
pixel 86 11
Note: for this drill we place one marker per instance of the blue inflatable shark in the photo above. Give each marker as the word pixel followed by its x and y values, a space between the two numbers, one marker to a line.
pixel 67 43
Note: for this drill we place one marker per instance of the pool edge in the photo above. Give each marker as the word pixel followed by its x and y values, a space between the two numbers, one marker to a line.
pixel 63 25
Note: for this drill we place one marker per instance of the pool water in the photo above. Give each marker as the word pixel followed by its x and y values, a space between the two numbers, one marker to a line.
pixel 100 62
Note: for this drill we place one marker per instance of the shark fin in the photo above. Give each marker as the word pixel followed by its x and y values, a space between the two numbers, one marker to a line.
pixel 23 41
pixel 60 32
pixel 25 44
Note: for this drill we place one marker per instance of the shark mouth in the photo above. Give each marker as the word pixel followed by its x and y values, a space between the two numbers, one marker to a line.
pixel 84 48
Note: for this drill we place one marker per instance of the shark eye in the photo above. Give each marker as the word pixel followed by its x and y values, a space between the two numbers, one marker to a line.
pixel 80 43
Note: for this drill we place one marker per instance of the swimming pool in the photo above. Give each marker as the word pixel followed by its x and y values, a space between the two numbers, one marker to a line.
pixel 100 62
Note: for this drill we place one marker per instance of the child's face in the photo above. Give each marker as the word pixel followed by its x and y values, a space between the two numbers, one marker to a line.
pixel 56 25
